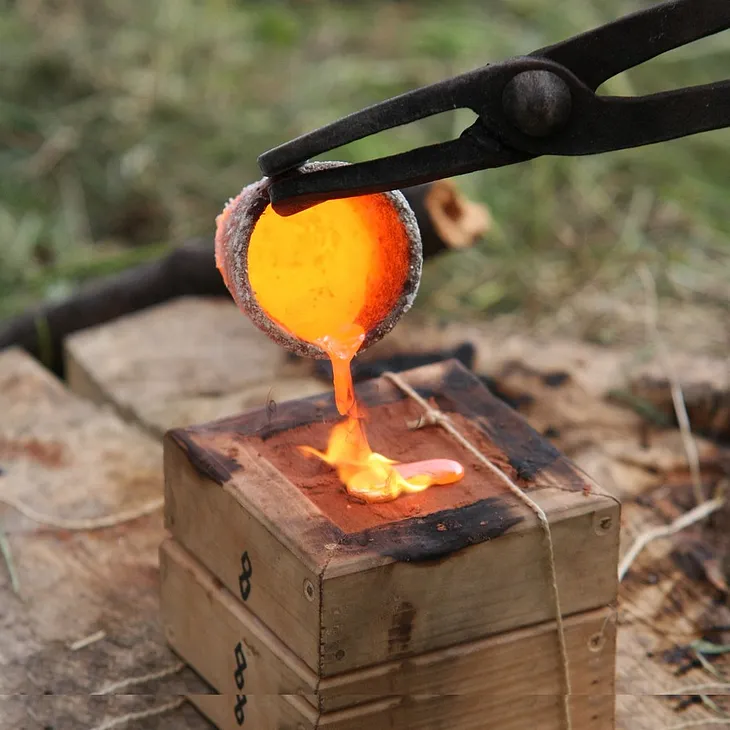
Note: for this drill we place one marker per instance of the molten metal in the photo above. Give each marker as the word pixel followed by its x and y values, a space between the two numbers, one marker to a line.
pixel 328 276
pixel 373 477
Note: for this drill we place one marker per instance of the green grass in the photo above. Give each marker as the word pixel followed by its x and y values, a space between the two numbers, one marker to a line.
pixel 124 124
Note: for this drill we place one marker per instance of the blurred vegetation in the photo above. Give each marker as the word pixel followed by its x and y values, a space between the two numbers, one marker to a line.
pixel 125 124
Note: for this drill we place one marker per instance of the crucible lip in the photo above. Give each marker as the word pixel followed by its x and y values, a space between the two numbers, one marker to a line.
pixel 235 235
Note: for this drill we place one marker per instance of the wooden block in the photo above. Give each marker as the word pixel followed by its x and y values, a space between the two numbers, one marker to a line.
pixel 70 459
pixel 181 383
pixel 215 633
pixel 188 361
pixel 260 712
pixel 446 712
pixel 347 585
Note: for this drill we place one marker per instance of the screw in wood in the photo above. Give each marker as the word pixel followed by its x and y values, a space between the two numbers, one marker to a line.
pixel 602 524
pixel 596 642
pixel 308 589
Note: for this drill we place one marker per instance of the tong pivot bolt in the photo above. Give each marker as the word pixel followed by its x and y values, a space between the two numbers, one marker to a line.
pixel 538 103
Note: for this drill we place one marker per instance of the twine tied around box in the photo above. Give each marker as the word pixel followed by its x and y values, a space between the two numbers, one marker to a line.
pixel 437 417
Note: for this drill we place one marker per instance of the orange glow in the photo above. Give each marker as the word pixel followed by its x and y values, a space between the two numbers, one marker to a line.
pixel 373 477
pixel 338 264
pixel 328 275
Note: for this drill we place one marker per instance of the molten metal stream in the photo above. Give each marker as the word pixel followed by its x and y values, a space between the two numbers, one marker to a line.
pixel 328 275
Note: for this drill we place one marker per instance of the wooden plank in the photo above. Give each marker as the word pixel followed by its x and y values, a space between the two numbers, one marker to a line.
pixel 395 580
pixel 495 586
pixel 188 361
pixel 445 712
pixel 260 712
pixel 212 630
pixel 156 366
pixel 67 458
pixel 193 360
pixel 217 635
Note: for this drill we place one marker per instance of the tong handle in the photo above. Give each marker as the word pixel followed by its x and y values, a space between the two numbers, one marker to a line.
pixel 600 54
pixel 541 104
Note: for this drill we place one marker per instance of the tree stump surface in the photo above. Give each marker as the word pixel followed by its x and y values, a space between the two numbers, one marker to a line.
pixel 67 458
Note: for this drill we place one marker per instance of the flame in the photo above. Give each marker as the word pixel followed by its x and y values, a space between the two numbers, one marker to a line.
pixel 366 474
pixel 328 275
pixel 373 477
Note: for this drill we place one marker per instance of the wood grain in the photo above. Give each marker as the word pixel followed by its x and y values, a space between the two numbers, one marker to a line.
pixel 422 712
pixel 204 623
pixel 188 361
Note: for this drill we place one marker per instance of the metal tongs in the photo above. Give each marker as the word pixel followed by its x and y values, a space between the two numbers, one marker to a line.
pixel 541 104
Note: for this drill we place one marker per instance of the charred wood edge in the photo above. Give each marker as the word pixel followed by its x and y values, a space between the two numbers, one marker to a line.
pixel 414 539
pixel 438 535
pixel 188 270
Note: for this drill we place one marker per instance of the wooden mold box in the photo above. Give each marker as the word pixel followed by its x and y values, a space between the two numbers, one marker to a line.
pixel 426 712
pixel 344 586
pixel 235 652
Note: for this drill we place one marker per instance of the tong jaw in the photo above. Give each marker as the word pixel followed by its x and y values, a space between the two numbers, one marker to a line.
pixel 477 147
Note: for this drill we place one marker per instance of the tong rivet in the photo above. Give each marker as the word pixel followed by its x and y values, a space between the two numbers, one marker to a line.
pixel 538 103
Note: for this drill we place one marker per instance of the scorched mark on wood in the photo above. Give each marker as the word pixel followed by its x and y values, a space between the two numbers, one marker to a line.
pixel 435 528
pixel 528 453
pixel 401 629
pixel 438 535
pixel 206 461
pixel 460 391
